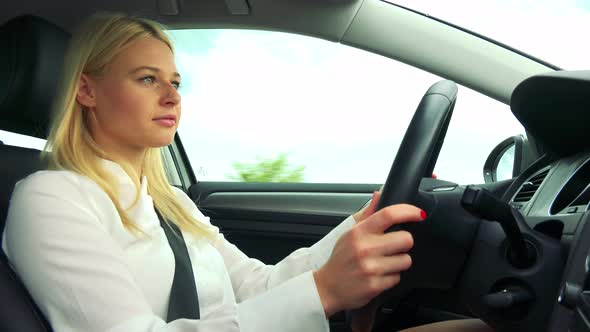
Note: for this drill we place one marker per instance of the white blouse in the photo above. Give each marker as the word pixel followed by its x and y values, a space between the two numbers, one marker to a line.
pixel 86 272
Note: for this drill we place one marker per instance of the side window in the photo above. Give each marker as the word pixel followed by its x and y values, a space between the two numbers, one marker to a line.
pixel 263 106
pixel 24 141
pixel 479 123
pixel 169 168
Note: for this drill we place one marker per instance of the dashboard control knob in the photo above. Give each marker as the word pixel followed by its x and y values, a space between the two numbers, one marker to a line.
pixel 569 295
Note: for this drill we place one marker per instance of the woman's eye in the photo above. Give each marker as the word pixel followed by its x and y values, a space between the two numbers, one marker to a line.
pixel 148 79
pixel 175 84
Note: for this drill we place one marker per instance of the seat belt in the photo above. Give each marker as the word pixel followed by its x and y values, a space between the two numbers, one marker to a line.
pixel 184 300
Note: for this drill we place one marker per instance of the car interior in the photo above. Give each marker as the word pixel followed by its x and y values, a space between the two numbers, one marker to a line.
pixel 514 253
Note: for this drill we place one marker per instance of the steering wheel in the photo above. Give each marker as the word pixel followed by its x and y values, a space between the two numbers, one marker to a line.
pixel 421 145
pixel 454 248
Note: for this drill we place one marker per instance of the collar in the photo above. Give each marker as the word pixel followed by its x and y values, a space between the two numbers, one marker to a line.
pixel 126 185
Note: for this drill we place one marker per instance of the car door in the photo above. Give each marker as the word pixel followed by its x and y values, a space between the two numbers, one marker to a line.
pixel 269 221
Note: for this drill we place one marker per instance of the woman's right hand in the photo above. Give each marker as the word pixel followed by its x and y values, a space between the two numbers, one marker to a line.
pixel 366 261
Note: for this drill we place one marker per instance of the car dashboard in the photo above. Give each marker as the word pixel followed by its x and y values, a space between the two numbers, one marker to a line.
pixel 553 194
pixel 554 197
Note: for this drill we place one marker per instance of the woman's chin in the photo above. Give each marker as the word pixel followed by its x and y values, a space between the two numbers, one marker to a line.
pixel 159 143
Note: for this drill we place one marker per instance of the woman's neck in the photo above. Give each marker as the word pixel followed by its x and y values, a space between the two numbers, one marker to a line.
pixel 132 158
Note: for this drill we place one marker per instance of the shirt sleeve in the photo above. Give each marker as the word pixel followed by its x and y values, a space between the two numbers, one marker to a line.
pixel 285 292
pixel 73 268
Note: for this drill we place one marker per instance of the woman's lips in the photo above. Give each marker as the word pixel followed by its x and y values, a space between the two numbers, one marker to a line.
pixel 166 121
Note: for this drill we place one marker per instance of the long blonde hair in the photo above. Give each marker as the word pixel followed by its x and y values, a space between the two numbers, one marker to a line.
pixel 70 146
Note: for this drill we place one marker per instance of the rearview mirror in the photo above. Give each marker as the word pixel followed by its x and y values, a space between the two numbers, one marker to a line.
pixel 506 160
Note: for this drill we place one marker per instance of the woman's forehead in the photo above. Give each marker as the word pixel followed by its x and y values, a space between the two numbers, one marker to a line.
pixel 146 52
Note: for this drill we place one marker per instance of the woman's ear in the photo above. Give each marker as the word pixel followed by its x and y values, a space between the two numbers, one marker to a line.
pixel 86 95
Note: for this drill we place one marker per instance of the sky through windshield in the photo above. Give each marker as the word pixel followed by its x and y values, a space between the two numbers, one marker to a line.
pixel 552 30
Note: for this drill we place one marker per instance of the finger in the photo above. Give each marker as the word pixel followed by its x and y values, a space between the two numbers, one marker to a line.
pixel 395 264
pixel 387 265
pixel 392 215
pixel 372 206
pixel 393 243
pixel 389 281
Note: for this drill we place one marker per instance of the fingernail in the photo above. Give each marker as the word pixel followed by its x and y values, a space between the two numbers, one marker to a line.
pixel 423 214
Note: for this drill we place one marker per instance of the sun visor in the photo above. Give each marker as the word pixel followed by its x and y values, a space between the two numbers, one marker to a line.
pixel 555 109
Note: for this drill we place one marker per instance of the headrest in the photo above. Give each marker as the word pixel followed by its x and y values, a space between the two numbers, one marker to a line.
pixel 30 68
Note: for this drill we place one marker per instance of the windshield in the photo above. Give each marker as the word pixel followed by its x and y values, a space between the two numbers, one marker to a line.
pixel 552 30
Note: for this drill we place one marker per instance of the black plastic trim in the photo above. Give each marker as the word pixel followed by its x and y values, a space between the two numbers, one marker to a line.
pixel 185 171
pixel 206 188
pixel 553 107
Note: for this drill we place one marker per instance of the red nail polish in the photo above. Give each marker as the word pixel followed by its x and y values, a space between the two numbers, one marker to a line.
pixel 423 214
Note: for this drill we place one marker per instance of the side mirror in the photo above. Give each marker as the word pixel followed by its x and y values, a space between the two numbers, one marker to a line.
pixel 507 160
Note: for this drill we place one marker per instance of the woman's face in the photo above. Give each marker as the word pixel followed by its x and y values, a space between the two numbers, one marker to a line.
pixel 134 104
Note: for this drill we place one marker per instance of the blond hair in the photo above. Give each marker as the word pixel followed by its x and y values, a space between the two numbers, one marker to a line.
pixel 94 46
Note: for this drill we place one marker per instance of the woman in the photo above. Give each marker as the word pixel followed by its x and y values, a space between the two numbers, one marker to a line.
pixel 86 240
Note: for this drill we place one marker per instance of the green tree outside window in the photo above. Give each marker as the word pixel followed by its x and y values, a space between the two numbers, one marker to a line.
pixel 267 170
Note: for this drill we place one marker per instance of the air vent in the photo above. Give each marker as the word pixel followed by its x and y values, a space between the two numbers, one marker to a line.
pixel 529 187
pixel 575 193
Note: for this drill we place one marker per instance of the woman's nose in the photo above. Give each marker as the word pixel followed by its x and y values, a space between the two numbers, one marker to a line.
pixel 170 97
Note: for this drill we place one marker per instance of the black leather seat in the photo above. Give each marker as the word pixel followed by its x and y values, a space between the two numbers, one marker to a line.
pixel 30 68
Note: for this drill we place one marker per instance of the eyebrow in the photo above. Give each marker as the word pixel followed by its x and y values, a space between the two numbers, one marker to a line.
pixel 176 74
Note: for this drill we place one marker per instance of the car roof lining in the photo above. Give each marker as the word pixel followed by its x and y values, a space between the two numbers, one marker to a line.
pixel 440 49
